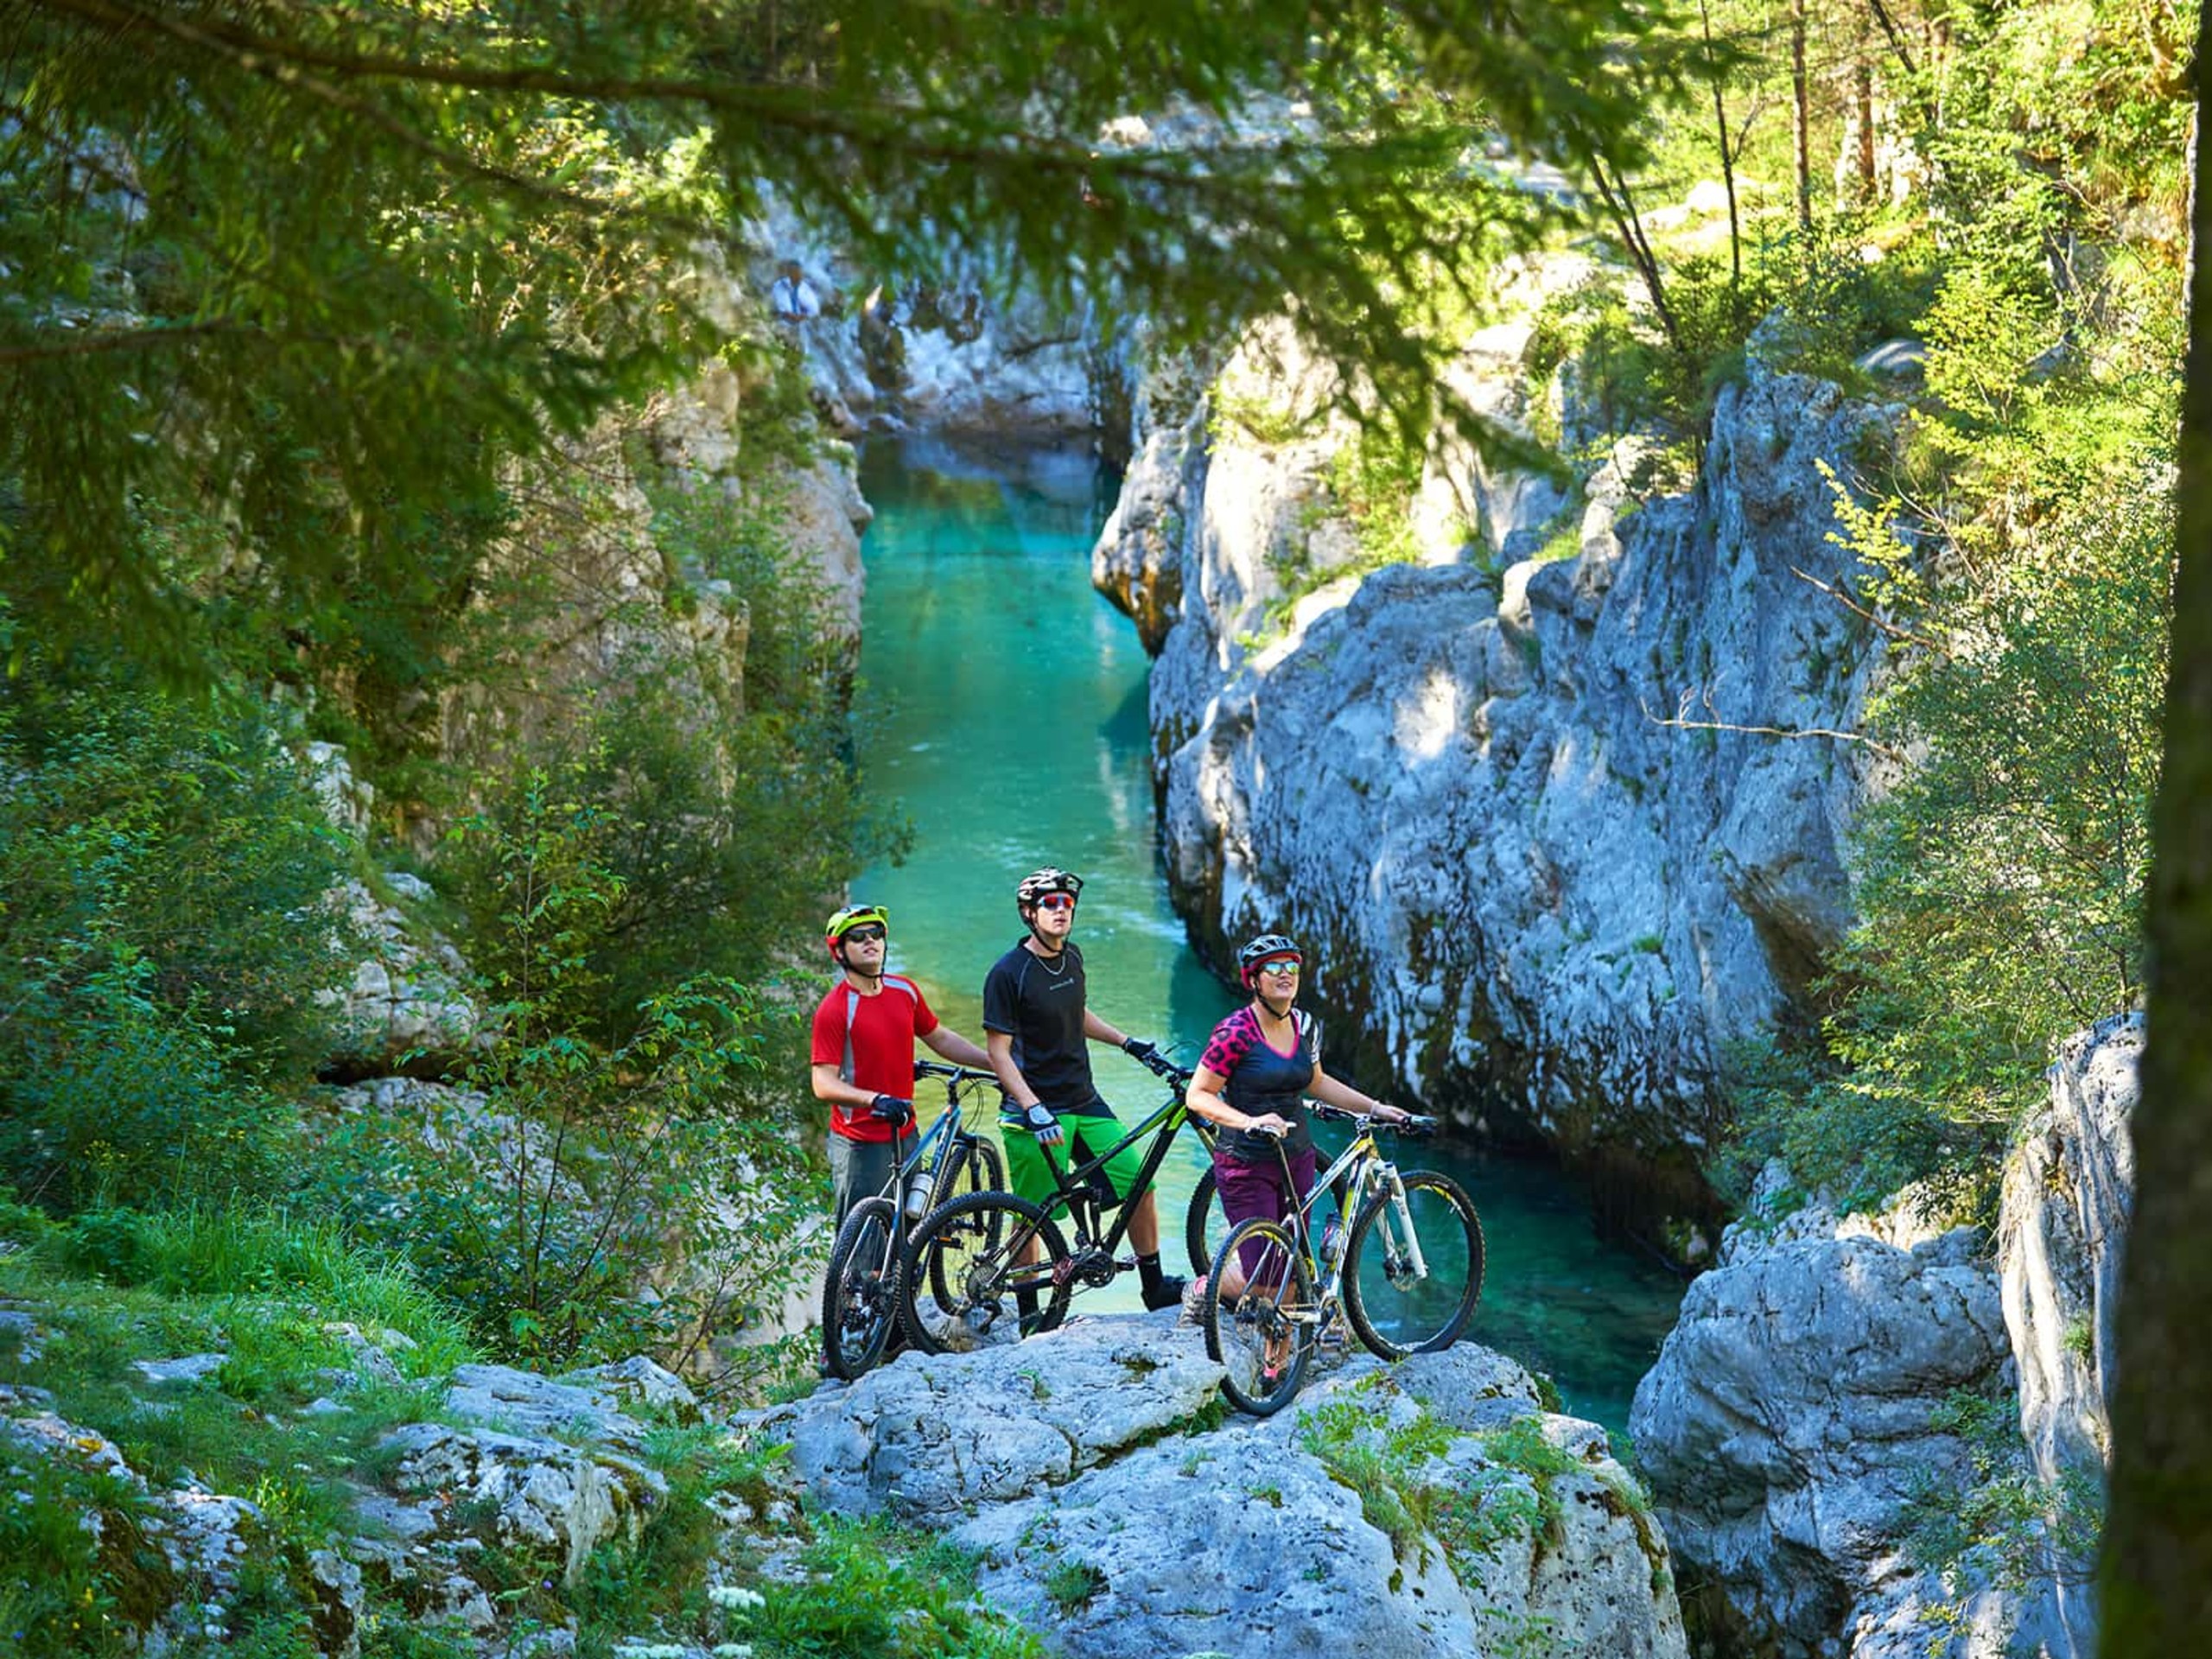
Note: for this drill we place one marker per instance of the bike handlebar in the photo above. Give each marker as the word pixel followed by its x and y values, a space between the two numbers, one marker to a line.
pixel 953 1073
pixel 1416 1127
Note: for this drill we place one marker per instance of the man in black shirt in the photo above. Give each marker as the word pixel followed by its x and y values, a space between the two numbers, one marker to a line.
pixel 1035 1024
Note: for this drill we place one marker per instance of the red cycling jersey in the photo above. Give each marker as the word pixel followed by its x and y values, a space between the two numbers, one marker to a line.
pixel 870 1040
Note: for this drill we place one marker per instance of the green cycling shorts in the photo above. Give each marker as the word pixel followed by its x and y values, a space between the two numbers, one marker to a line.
pixel 1083 1138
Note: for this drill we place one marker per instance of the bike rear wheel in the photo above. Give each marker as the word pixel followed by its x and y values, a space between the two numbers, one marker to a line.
pixel 860 1296
pixel 1393 1311
pixel 1263 1332
pixel 963 1271
pixel 1205 1226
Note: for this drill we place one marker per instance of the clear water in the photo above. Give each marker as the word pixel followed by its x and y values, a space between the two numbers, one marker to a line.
pixel 1002 706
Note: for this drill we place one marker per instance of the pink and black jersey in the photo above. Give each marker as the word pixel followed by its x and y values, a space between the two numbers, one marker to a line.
pixel 870 1040
pixel 1263 1079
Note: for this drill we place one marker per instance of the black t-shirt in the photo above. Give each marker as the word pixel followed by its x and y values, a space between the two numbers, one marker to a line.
pixel 1037 1001
pixel 1262 1079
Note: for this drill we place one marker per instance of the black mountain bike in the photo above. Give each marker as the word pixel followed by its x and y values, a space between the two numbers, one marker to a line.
pixel 1407 1276
pixel 860 1296
pixel 976 1260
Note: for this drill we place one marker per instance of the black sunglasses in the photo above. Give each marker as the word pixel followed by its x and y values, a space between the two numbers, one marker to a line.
pixel 865 931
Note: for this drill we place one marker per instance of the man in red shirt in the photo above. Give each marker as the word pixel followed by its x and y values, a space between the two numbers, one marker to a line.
pixel 863 1056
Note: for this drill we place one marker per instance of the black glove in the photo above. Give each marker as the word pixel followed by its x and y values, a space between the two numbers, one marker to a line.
pixel 1040 1123
pixel 1137 1049
pixel 889 1109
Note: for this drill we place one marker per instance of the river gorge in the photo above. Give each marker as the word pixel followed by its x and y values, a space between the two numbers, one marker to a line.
pixel 1002 705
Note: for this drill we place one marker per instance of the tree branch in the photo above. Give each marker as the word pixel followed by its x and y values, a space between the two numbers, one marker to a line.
pixel 1842 597
pixel 1679 720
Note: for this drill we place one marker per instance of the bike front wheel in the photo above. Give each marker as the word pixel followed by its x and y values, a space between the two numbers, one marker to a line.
pixel 1264 1329
pixel 1412 1277
pixel 971 1265
pixel 860 1298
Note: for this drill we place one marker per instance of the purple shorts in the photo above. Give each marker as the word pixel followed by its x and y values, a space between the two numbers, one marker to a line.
pixel 1249 1191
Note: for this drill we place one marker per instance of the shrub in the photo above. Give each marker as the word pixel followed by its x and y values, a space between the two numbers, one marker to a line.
pixel 162 942
pixel 579 1198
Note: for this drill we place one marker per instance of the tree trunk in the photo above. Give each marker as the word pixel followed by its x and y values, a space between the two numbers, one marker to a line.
pixel 1862 99
pixel 2156 1564
pixel 1801 92
pixel 1727 156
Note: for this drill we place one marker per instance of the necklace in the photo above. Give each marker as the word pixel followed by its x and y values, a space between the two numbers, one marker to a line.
pixel 1056 964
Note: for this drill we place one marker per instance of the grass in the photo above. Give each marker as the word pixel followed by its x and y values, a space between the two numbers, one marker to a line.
pixel 116 1286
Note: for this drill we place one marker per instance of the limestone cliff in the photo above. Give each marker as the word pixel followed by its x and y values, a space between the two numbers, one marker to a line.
pixel 1527 897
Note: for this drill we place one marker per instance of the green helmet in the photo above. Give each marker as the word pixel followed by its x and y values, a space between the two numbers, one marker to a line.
pixel 853 916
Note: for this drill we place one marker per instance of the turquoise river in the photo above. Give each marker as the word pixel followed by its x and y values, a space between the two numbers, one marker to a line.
pixel 1002 707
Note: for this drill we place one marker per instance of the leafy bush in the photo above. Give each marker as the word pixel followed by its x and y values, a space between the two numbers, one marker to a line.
pixel 2000 880
pixel 576 1199
pixel 164 939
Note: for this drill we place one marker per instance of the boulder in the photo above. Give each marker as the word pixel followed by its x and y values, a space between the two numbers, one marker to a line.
pixel 1085 1469
pixel 535 1492
pixel 925 1436
pixel 1800 1408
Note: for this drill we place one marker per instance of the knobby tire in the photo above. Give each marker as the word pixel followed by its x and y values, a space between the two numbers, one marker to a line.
pixel 960 1270
pixel 860 1295
pixel 1276 1304
pixel 1405 1317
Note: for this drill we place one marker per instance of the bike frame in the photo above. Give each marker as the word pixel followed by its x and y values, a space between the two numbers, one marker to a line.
pixel 1377 1170
pixel 1081 1199
pixel 935 1143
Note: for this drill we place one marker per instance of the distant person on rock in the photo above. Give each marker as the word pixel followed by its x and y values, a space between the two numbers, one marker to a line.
pixel 1036 1021
pixel 1259 1065
pixel 863 1054
pixel 791 297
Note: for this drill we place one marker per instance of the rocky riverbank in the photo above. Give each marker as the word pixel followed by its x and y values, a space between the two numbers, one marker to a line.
pixel 1092 1490
pixel 1866 1433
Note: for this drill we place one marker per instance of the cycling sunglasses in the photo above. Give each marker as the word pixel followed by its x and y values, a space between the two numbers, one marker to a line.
pixel 1056 901
pixel 864 932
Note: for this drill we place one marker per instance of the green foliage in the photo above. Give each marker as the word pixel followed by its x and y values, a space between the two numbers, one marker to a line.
pixel 2000 881
pixel 871 1588
pixel 568 1172
pixel 164 934
pixel 244 1252
pixel 68 1589
pixel 1072 1585
pixel 1369 482
pixel 2005 1521
pixel 496 219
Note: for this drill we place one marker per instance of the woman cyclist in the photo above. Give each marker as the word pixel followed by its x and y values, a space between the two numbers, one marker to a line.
pixel 1261 1063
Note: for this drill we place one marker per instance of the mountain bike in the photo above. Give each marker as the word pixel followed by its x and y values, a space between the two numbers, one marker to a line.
pixel 860 1296
pixel 978 1255
pixel 1406 1277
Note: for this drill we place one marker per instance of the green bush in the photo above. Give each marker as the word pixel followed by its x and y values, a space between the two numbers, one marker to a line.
pixel 247 1252
pixel 164 938
pixel 570 1176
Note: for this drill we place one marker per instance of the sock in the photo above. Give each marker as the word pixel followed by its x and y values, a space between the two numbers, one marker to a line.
pixel 1024 1302
pixel 1148 1271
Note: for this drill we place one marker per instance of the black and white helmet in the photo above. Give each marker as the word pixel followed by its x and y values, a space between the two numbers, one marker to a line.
pixel 1035 885
pixel 1268 947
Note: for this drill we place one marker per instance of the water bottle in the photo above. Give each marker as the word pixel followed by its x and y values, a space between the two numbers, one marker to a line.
pixel 917 1195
